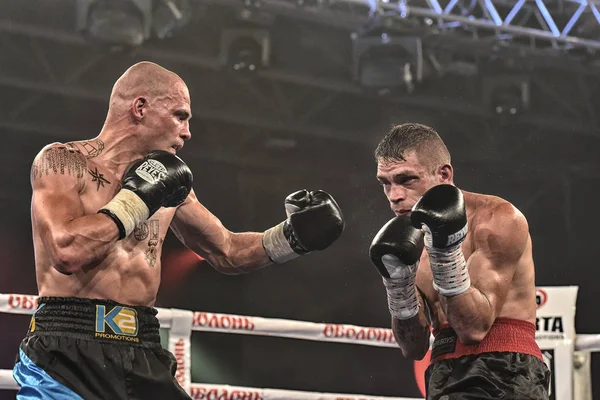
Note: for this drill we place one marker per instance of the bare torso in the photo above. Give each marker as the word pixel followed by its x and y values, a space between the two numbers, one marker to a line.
pixel 520 300
pixel 129 273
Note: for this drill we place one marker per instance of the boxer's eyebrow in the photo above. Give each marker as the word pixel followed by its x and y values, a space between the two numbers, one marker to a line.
pixel 399 177
pixel 183 114
pixel 404 176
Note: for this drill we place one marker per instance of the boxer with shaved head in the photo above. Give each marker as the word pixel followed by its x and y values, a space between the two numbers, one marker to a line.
pixel 100 211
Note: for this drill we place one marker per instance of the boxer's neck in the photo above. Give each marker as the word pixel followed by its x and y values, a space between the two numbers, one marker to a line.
pixel 471 203
pixel 122 146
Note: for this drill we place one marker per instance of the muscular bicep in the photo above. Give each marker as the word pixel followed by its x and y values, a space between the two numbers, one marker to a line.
pixel 500 244
pixel 56 180
pixel 199 229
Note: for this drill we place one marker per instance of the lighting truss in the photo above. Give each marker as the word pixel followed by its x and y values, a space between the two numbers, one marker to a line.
pixel 532 20
pixel 539 25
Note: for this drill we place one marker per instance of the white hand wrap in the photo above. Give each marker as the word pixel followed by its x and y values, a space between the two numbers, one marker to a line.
pixel 449 268
pixel 403 302
pixel 129 209
pixel 276 245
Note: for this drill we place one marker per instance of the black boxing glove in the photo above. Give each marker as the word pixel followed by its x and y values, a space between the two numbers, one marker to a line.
pixel 401 240
pixel 442 215
pixel 160 179
pixel 314 222
pixel 396 251
pixel 442 210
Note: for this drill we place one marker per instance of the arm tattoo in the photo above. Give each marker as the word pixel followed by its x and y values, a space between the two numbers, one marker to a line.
pixel 409 331
pixel 58 160
pixel 412 332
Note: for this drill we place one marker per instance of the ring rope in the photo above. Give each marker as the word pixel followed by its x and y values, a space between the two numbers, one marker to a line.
pixel 249 325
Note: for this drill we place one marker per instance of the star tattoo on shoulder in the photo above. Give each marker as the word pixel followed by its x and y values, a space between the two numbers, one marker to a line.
pixel 98 178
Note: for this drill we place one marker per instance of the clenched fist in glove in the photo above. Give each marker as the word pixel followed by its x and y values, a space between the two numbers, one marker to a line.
pixel 160 179
pixel 314 221
pixel 442 215
pixel 396 251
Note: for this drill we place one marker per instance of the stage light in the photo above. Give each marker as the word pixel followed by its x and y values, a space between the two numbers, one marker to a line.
pixel 388 63
pixel 114 22
pixel 169 16
pixel 245 50
pixel 506 95
pixel 128 23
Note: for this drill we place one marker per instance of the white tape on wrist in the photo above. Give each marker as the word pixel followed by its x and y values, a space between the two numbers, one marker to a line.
pixel 449 268
pixel 276 245
pixel 129 209
pixel 403 302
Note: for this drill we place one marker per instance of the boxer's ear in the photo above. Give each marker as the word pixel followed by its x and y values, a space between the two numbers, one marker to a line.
pixel 445 174
pixel 138 108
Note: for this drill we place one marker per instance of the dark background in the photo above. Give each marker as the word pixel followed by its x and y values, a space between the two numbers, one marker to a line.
pixel 303 122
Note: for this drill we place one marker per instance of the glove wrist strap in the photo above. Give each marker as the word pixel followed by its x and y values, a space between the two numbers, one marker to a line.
pixel 449 268
pixel 276 245
pixel 127 210
pixel 403 302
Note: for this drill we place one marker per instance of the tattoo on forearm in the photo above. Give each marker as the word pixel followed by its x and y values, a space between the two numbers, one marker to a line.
pixel 409 331
pixel 153 232
pixel 98 178
pixel 58 160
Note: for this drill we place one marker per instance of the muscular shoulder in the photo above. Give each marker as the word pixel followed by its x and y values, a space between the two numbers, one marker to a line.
pixel 58 159
pixel 500 228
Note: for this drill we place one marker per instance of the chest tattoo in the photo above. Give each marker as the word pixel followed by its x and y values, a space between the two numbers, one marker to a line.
pixel 152 232
pixel 98 178
pixel 141 231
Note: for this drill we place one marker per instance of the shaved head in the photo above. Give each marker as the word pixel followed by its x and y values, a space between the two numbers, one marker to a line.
pixel 144 79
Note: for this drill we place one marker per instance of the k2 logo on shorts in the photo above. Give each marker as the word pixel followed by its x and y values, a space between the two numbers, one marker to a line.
pixel 151 171
pixel 121 320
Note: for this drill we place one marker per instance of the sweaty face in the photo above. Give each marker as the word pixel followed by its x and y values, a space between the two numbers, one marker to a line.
pixel 168 119
pixel 404 182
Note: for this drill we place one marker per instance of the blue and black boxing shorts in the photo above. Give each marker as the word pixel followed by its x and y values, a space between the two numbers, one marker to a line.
pixel 506 365
pixel 94 349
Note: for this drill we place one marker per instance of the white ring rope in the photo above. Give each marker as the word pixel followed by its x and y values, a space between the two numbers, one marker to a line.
pixel 242 324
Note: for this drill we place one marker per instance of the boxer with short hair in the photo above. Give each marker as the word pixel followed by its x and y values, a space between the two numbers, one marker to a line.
pixel 100 211
pixel 460 263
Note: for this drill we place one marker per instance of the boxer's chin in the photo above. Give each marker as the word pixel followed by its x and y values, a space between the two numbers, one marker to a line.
pixel 401 213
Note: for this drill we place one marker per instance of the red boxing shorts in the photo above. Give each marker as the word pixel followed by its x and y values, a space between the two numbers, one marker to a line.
pixel 507 364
